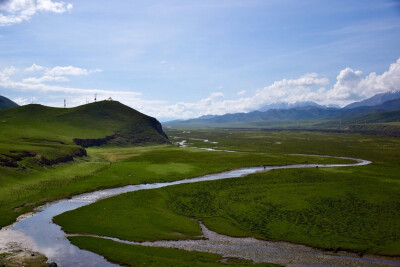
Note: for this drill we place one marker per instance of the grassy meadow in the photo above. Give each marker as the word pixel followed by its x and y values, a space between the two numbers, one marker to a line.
pixel 341 208
pixel 22 189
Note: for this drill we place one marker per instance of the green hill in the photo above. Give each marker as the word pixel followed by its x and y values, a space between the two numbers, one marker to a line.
pixel 391 116
pixel 47 135
pixel 6 103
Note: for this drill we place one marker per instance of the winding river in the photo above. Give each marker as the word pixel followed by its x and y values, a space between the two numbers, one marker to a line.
pixel 47 238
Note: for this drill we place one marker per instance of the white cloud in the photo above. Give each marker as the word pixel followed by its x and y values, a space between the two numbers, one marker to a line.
pixel 6 74
pixel 241 92
pixel 34 67
pixel 309 79
pixel 45 78
pixel 68 70
pixel 21 101
pixel 46 88
pixel 163 62
pixel 37 86
pixel 61 70
pixel 346 86
pixel 50 6
pixel 17 11
pixel 351 86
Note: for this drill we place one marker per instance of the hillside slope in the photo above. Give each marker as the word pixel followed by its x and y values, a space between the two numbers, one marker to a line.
pixel 381 117
pixel 52 135
pixel 375 100
pixel 6 103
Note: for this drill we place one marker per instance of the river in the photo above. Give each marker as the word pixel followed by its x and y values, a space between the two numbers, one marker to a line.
pixel 40 234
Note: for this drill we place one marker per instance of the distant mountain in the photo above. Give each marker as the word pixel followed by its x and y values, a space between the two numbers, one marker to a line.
pixel 375 100
pixel 7 103
pixel 206 117
pixel 285 105
pixel 293 114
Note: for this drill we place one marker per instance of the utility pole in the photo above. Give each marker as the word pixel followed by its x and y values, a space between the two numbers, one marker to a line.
pixel 65 103
pixel 95 97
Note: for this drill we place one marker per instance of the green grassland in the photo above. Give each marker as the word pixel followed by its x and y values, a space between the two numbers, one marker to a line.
pixel 132 255
pixel 376 148
pixel 22 189
pixel 39 160
pixel 343 208
pixel 386 124
pixel 353 208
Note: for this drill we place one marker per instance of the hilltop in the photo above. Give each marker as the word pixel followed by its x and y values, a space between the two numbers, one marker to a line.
pixel 6 103
pixel 50 135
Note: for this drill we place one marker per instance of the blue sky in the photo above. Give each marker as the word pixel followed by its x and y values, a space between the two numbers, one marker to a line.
pixel 182 59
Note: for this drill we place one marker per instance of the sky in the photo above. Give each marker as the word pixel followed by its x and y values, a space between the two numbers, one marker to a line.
pixel 184 59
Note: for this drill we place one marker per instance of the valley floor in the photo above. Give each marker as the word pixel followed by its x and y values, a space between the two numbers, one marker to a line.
pixel 344 208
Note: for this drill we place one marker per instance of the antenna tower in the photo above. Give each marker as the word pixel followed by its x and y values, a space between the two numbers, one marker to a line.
pixel 65 103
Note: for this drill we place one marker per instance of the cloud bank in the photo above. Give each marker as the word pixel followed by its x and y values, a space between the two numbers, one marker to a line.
pixel 350 85
pixel 17 11
pixel 56 74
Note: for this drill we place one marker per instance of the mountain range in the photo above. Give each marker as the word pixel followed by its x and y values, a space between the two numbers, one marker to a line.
pixel 375 100
pixel 380 103
pixel 285 105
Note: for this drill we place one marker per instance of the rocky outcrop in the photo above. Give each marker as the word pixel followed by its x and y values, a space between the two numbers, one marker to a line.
pixel 158 127
pixel 12 160
pixel 135 137
pixel 80 152
pixel 93 142
pixel 7 162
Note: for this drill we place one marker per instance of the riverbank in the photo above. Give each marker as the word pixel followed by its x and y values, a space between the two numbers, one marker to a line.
pixel 259 251
pixel 18 249
pixel 50 240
